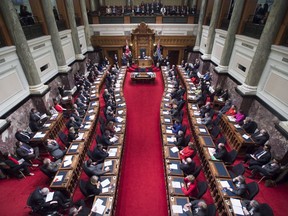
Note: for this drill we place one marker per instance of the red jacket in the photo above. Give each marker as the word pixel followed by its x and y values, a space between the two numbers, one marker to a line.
pixel 186 152
pixel 191 190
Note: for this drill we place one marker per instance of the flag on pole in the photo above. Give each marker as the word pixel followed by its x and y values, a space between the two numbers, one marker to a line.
pixel 158 51
pixel 127 50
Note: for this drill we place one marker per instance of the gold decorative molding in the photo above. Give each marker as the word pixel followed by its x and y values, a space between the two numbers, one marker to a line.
pixel 176 41
pixel 110 41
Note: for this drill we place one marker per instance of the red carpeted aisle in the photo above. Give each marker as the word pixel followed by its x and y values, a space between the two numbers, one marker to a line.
pixel 142 187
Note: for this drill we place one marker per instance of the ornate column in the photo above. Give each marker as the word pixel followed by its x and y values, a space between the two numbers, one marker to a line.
pixel 230 38
pixel 211 31
pixel 271 28
pixel 200 22
pixel 86 25
pixel 8 11
pixel 92 4
pixel 74 31
pixel 55 38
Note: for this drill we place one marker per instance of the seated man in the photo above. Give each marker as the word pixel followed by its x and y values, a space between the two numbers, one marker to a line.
pixel 51 167
pixel 261 137
pixel 26 152
pixel 99 153
pixel 54 149
pixel 260 157
pixel 96 168
pixel 73 123
pixel 269 169
pixel 106 139
pixel 240 186
pixel 93 186
pixel 23 136
pixel 188 166
pixel 198 207
pixel 180 139
pixel 250 207
pixel 205 109
pixel 249 126
pixel 220 152
pixel 39 202
pixel 207 120
pixel 79 208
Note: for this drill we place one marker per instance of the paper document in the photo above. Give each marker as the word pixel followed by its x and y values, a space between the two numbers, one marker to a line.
pixel 90 111
pixel 237 210
pixel 112 152
pixel 211 151
pixel 177 209
pixel 39 135
pixel 166 99
pixel 174 149
pixel 99 209
pixel 93 95
pixel 166 112
pixel 105 183
pixel 74 147
pixel 196 113
pixel 202 130
pixel 173 166
pixel 87 126
pixel 194 108
pixel 68 157
pixel 58 178
pixel 46 125
pixel 237 126
pixel 120 112
pixel 67 163
pixel 224 184
pixel 43 116
pixel 113 139
pixel 245 136
pixel 119 119
pixel 108 163
pixel 49 197
pixel 169 131
pixel 232 119
pixel 167 120
pixel 118 99
pixel 176 184
pixel 117 95
pixel 105 190
pixel 235 202
pixel 117 129
pixel 91 117
pixel 80 136
pixel 171 139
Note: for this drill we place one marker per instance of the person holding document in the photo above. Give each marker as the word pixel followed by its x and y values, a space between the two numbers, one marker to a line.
pixel 260 157
pixel 250 207
pixel 198 207
pixel 240 186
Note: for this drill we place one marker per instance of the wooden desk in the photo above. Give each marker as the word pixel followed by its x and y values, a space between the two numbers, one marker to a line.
pixel 174 185
pixel 74 162
pixel 64 180
pixel 169 154
pixel 144 76
pixel 77 148
pixel 119 128
pixel 107 201
pixel 113 165
pixel 177 171
pixel 181 201
pixel 110 189
pixel 206 141
pixel 165 140
pixel 166 119
pixel 144 62
pixel 218 103
pixel 114 152
pixel 167 129
pixel 218 169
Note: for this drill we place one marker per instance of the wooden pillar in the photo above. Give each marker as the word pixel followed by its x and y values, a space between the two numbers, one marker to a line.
pixel 249 9
pixel 63 12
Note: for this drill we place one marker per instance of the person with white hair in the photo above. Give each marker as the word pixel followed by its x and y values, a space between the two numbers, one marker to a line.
pixel 198 207
pixel 250 207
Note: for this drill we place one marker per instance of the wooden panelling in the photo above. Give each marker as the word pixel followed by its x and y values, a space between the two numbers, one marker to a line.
pixel 77 9
pixel 37 11
pixel 249 9
pixel 224 12
pixel 208 12
pixel 62 12
pixel 4 32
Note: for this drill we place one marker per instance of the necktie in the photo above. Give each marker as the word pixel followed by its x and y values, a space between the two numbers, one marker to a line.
pixel 260 154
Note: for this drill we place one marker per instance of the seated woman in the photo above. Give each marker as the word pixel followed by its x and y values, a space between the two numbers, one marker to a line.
pixel 239 116
pixel 188 151
pixel 240 186
pixel 190 187
pixel 232 111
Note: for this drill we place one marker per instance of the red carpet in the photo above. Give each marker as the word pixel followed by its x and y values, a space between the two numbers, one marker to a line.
pixel 142 187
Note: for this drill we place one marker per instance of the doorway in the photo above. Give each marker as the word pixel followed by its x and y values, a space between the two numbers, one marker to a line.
pixel 173 57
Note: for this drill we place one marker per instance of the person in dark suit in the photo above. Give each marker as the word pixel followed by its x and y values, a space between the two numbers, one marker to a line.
pixel 269 169
pixel 180 139
pixel 99 153
pixel 72 135
pixel 261 137
pixel 51 167
pixel 73 123
pixel 23 136
pixel 260 157
pixel 54 149
pixel 205 109
pixel 220 152
pixel 240 186
pixel 249 126
pixel 26 152
pixel 93 186
pixel 250 207
pixel 198 207
pixel 79 209
pixel 106 139
pixel 188 167
pixel 96 168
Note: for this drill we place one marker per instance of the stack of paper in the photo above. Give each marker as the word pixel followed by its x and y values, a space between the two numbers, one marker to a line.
pixel 67 160
pixel 169 131
pixel 232 119
pixel 173 166
pixel 166 112
pixel 87 126
pixel 166 99
pixel 245 136
pixel 39 135
pixel 117 129
pixel 80 136
pixel 49 197
pixel 237 126
pixel 194 108
pixel 202 130
pixel 74 147
pixel 174 149
pixel 112 152
pixel 236 206
pixel 120 112
pixel 90 111
pixel 176 184
pixel 177 209
pixel 91 117
pixel 58 178
pixel 113 139
pixel 46 125
pixel 119 119
pixel 108 163
pixel 118 99
pixel 211 151
pixel 98 207
pixel 224 184
pixel 167 120
pixel 171 139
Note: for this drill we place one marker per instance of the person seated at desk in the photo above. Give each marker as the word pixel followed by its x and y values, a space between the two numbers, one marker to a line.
pixel 239 116
pixel 75 114
pixel 72 135
pixel 38 199
pixel 79 209
pixel 260 137
pixel 54 149
pixel 188 166
pixel 191 186
pixel 96 168
pixel 16 165
pixel 93 186
pixel 207 120
pixel 99 154
pixel 106 139
pixel 249 125
pixel 58 107
pixel 23 136
pixel 81 112
pixel 269 169
pixel 225 108
pixel 52 110
pixel 27 152
pixel 250 207
pixel 80 104
pixel 180 139
pixel 110 116
pixel 176 127
pixel 73 123
pixel 220 152
pixel 35 120
pixel 240 186
pixel 51 167
pixel 232 111
pixel 110 126
pixel 260 157
pixel 187 152
pixel 198 207
pixel 224 95
pixel 205 109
